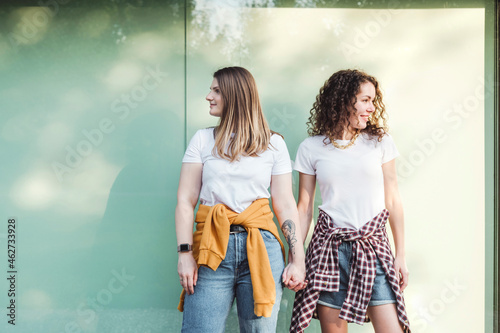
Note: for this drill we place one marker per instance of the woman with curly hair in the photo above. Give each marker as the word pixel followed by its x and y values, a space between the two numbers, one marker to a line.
pixel 236 251
pixel 351 272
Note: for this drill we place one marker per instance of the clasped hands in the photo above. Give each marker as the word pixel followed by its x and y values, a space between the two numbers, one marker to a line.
pixel 294 276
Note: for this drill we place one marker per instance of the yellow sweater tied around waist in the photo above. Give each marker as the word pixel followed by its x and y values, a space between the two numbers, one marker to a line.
pixel 212 236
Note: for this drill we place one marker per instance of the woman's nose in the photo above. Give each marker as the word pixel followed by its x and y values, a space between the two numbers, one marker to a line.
pixel 371 107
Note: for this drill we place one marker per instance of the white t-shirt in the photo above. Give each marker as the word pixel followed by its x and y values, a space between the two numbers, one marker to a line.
pixel 351 181
pixel 236 184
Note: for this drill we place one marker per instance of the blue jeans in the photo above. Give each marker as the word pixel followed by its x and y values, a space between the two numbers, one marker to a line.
pixel 207 309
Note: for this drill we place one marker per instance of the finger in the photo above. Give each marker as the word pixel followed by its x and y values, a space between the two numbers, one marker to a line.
pixel 292 281
pixel 287 284
pixel 398 273
pixel 296 286
pixel 189 286
pixel 404 282
pixel 195 277
pixel 304 285
pixel 403 286
pixel 184 286
pixel 184 282
pixel 285 277
pixel 299 287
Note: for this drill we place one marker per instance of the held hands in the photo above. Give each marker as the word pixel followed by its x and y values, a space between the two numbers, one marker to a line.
pixel 294 276
pixel 401 272
pixel 188 271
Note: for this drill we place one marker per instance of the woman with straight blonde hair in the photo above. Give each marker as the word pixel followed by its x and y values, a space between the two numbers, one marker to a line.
pixel 236 251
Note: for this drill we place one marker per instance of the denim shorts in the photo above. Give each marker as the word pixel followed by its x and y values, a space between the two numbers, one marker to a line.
pixel 381 294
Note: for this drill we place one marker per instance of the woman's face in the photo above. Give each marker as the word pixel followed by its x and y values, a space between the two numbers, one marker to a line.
pixel 215 99
pixel 363 107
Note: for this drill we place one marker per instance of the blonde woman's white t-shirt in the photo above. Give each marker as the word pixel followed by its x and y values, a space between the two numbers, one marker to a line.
pixel 351 181
pixel 236 184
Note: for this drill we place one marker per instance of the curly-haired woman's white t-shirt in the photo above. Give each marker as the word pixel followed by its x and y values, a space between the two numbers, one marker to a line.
pixel 351 181
pixel 236 184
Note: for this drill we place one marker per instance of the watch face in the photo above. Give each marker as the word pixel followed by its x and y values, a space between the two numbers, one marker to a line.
pixel 184 248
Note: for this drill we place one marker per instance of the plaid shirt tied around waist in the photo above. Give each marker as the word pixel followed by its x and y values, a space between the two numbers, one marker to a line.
pixel 322 270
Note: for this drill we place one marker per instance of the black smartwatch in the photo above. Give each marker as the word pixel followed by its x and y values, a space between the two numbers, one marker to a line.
pixel 184 247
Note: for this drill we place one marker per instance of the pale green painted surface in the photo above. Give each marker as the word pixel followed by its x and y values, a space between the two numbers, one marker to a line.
pixel 98 101
pixel 92 124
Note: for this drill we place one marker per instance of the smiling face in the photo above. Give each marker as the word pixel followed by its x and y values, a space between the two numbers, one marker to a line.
pixel 215 99
pixel 363 107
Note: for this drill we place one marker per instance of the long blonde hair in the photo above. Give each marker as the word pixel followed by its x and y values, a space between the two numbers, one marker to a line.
pixel 243 129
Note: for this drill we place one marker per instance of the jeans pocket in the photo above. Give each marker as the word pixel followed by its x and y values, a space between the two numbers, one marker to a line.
pixel 268 236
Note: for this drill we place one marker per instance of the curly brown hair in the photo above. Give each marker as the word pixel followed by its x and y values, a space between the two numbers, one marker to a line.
pixel 331 110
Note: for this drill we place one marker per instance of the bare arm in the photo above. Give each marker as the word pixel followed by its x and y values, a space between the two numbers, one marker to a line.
pixel 305 205
pixel 187 197
pixel 286 211
pixel 394 205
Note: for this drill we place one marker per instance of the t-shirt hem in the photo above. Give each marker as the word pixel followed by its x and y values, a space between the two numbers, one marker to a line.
pixel 192 161
pixel 281 172
pixel 305 171
pixel 385 160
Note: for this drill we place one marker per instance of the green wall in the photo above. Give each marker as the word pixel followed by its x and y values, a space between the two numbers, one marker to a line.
pixel 98 100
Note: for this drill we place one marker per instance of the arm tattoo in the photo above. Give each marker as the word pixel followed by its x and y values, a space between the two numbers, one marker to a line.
pixel 288 228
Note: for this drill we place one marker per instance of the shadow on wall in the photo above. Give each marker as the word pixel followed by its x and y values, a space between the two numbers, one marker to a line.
pixel 133 262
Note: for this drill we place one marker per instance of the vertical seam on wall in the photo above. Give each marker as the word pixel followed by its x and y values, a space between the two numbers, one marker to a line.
pixel 185 74
pixel 496 119
pixel 496 167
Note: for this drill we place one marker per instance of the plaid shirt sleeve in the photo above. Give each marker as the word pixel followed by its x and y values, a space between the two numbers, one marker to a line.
pixel 322 270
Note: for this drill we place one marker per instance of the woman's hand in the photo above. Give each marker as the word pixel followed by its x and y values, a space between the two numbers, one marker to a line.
pixel 286 210
pixel 395 207
pixel 187 197
pixel 401 272
pixel 188 271
pixel 294 276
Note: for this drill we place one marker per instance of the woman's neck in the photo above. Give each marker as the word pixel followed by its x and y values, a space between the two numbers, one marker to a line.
pixel 348 134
